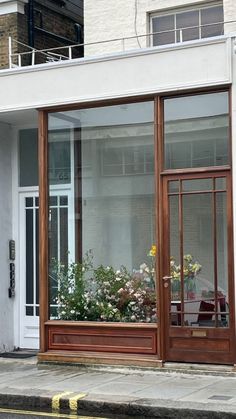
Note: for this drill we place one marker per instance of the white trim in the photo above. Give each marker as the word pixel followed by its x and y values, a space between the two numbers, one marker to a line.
pixel 223 39
pixel 15 235
pixel 12 6
pixel 185 8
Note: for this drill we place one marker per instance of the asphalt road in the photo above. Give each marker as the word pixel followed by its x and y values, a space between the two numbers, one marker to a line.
pixel 14 414
pixel 21 414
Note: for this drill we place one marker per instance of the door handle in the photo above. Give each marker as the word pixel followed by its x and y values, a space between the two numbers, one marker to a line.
pixel 166 278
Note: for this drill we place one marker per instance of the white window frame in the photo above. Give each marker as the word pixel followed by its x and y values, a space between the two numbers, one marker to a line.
pixel 175 11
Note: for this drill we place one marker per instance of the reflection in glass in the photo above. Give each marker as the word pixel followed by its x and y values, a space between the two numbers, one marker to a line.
pixel 102 247
pixel 197 185
pixel 220 183
pixel 222 256
pixel 174 186
pixel 209 20
pixel 196 131
pixel 199 284
pixel 198 247
pixel 174 250
pixel 28 157
pixel 166 25
pixel 59 164
pixel 190 21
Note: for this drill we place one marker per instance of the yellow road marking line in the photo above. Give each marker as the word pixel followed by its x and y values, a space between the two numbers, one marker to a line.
pixel 45 414
pixel 56 400
pixel 73 402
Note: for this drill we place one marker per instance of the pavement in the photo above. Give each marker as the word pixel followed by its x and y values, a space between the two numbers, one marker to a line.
pixel 170 392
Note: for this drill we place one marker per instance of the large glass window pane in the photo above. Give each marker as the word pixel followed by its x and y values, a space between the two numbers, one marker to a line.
pixel 196 131
pixel 163 28
pixel 109 237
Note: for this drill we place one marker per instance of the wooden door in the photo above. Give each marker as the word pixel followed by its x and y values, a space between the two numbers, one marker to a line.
pixel 197 278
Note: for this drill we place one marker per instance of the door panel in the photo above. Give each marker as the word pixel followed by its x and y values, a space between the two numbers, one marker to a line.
pixel 197 280
pixel 58 218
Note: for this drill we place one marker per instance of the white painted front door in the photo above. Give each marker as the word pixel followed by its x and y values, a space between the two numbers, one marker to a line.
pixel 29 273
pixel 29 284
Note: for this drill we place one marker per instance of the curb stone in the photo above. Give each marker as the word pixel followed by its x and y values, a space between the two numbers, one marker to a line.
pixel 144 408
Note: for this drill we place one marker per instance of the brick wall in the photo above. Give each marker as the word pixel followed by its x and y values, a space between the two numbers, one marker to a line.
pixel 16 25
pixel 8 27
pixel 109 19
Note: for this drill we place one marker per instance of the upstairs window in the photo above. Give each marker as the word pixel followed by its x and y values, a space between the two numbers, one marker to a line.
pixel 187 25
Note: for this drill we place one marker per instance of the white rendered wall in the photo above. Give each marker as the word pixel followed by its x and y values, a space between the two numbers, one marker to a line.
pixel 6 304
pixel 12 6
pixel 201 64
pixel 112 19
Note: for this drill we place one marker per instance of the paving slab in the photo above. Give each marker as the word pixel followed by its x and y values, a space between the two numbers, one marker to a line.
pixel 146 393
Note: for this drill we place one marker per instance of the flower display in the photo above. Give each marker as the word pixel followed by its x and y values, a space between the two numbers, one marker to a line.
pixel 105 294
pixel 191 269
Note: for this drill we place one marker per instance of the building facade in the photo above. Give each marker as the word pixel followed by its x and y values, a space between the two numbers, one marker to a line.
pixel 121 245
pixel 39 25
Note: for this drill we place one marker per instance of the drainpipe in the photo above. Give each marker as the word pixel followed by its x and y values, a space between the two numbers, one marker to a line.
pixel 79 33
pixel 79 38
pixel 31 23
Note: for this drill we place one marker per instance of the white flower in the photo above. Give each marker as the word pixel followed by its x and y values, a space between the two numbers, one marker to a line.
pixel 63 312
pixel 143 267
pixel 109 305
pixel 108 268
pixel 133 318
pixel 117 272
pixel 120 290
pixel 72 311
pixel 83 269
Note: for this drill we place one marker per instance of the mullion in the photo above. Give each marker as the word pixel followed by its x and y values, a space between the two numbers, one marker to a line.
pixel 196 192
pixel 215 253
pixel 181 252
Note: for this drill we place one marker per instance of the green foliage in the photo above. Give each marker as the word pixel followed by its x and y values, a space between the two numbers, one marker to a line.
pixel 103 294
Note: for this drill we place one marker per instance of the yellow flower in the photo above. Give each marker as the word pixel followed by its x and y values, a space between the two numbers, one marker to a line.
pixel 153 250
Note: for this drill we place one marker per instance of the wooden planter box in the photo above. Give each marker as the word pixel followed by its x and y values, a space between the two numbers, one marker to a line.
pixel 129 338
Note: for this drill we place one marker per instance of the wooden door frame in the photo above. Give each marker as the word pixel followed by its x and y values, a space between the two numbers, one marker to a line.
pixel 166 249
pixel 160 174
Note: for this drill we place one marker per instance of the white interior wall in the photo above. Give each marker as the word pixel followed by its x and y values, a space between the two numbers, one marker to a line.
pixel 6 304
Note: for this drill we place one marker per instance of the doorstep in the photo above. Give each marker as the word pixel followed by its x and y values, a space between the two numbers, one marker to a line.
pixel 139 363
pixel 100 358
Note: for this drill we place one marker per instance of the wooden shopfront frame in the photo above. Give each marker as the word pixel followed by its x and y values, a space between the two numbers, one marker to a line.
pixel 144 344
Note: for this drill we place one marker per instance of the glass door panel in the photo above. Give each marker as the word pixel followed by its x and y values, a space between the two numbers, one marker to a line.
pixel 198 253
pixel 196 274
